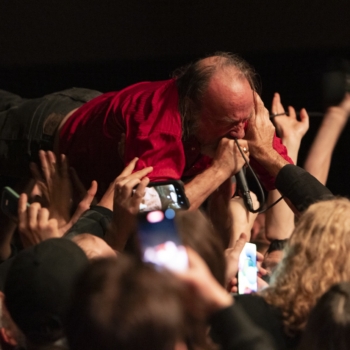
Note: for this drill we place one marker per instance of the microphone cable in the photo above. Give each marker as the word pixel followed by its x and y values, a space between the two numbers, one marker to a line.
pixel 260 210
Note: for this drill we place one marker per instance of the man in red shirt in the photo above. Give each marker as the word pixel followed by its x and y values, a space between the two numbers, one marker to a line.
pixel 183 127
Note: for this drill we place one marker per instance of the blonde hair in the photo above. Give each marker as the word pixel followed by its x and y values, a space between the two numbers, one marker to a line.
pixel 316 257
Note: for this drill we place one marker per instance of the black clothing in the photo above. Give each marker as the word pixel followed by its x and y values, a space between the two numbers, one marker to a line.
pixel 267 317
pixel 232 329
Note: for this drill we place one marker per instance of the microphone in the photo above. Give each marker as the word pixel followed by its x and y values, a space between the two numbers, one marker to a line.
pixel 244 189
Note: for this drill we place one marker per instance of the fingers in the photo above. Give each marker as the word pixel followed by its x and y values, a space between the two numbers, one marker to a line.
pixel 122 180
pixel 292 113
pixel 22 211
pixel 140 190
pixel 42 217
pixel 85 203
pixel 276 106
pixel 32 215
pixel 242 240
pixel 129 168
pixel 63 166
pixel 45 167
pixel 304 118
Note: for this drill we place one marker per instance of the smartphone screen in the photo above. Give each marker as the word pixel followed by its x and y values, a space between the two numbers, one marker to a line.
pixel 164 195
pixel 247 272
pixel 159 240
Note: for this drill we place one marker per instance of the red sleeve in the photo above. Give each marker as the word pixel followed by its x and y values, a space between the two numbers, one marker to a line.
pixel 162 151
pixel 267 180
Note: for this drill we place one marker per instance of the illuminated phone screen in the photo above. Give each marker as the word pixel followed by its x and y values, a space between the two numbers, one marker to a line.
pixel 247 272
pixel 162 197
pixel 159 240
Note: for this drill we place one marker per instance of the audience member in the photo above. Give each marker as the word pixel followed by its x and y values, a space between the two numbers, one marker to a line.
pixel 38 288
pixel 316 257
pixel 328 324
pixel 123 302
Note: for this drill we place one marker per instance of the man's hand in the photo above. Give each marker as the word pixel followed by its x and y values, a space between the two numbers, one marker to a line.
pixel 259 134
pixel 260 130
pixel 228 158
pixel 34 224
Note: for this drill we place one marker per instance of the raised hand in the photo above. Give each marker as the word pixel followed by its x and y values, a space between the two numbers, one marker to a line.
pixel 34 223
pixel 55 185
pixel 124 200
pixel 289 128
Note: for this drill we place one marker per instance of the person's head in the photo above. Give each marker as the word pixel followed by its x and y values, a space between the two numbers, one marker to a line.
pixel 124 304
pixel 216 97
pixel 316 257
pixel 328 326
pixel 197 232
pixel 38 288
pixel 274 255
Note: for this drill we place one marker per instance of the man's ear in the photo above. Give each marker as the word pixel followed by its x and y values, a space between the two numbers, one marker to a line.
pixel 8 329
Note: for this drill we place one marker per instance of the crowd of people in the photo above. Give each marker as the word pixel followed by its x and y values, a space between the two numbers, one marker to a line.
pixel 72 274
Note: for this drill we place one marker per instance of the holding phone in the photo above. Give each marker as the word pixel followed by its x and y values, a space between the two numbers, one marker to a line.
pixel 159 241
pixel 247 272
pixel 9 202
pixel 164 195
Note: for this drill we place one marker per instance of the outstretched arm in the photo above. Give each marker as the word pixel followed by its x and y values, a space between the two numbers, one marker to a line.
pixel 319 158
pixel 280 218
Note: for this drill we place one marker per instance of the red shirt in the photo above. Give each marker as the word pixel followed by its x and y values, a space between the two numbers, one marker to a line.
pixel 148 114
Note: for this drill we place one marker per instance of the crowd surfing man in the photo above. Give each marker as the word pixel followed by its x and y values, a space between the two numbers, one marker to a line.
pixel 183 127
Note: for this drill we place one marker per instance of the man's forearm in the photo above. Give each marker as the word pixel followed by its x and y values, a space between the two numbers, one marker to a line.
pixel 200 188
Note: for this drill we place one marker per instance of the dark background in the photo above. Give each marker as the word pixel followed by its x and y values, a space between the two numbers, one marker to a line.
pixel 50 45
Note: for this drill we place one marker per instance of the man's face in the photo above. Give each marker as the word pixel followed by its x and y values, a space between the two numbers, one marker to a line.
pixel 227 105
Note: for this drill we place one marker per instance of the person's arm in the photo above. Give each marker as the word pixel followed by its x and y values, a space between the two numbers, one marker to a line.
pixel 280 218
pixel 125 203
pixel 226 163
pixel 297 185
pixel 319 158
pixel 230 326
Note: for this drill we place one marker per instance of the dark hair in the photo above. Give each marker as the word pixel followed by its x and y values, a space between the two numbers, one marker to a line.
pixel 276 245
pixel 328 326
pixel 124 304
pixel 197 232
pixel 192 82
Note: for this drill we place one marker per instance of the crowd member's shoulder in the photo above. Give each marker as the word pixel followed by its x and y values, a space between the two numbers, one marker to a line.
pixel 267 317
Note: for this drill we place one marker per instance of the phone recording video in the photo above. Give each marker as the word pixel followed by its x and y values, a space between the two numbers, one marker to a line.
pixel 163 196
pixel 247 272
pixel 159 241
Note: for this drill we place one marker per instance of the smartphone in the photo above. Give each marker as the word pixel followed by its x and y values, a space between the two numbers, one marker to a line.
pixel 9 202
pixel 159 240
pixel 247 271
pixel 163 196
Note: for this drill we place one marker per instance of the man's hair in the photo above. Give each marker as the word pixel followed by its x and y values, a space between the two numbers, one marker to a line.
pixel 125 304
pixel 193 80
pixel 329 324
pixel 316 257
